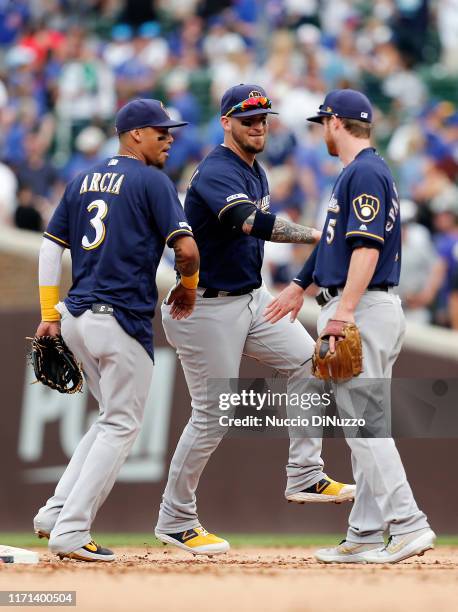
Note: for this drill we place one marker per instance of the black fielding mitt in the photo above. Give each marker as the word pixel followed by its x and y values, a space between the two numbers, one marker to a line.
pixel 55 365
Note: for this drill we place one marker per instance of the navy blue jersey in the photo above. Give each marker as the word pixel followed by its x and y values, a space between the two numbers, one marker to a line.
pixel 228 260
pixel 363 209
pixel 116 220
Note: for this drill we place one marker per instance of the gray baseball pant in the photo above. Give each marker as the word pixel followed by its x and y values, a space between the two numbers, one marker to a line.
pixel 210 344
pixel 384 499
pixel 118 372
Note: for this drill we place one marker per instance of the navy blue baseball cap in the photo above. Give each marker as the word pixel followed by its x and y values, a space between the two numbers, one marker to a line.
pixel 245 101
pixel 345 103
pixel 144 112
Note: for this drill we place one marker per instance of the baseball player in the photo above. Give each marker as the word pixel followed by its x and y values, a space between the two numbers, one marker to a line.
pixel 115 219
pixel 227 203
pixel 356 264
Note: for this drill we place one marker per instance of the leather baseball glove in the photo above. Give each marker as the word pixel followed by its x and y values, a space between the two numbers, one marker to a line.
pixel 347 361
pixel 55 365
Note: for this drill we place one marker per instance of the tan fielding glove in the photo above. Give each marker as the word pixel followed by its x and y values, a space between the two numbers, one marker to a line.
pixel 347 361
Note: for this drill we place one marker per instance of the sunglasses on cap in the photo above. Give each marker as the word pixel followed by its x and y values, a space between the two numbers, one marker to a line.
pixel 250 104
pixel 327 109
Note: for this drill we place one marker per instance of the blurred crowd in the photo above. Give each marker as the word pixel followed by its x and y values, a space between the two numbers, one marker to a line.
pixel 66 66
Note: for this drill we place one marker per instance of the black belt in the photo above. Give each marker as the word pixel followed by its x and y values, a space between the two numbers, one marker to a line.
pixel 327 293
pixel 100 308
pixel 213 293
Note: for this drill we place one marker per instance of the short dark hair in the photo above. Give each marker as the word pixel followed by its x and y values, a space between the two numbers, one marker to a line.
pixel 360 129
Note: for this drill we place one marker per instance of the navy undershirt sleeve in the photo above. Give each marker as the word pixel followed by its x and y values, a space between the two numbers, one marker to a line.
pixel 305 276
pixel 357 243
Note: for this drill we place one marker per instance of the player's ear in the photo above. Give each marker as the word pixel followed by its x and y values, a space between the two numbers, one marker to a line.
pixel 226 124
pixel 336 121
pixel 136 135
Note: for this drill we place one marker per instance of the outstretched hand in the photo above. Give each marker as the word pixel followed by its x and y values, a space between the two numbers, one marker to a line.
pixel 290 300
pixel 182 301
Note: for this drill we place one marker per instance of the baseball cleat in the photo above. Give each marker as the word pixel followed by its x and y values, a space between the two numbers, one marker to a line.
pixel 196 541
pixel 90 552
pixel 42 534
pixel 400 547
pixel 325 490
pixel 346 552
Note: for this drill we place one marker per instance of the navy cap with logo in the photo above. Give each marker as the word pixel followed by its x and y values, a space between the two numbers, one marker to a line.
pixel 245 101
pixel 345 103
pixel 144 112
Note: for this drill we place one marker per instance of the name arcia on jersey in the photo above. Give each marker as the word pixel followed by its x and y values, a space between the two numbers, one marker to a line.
pixel 109 182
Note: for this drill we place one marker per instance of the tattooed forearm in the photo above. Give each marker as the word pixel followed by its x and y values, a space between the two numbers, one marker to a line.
pixel 287 231
pixel 186 256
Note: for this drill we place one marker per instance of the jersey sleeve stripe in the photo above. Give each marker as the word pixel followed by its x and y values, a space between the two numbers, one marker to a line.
pixel 56 239
pixel 232 204
pixel 366 234
pixel 179 231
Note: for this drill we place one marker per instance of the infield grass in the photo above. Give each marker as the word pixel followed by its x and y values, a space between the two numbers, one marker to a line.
pixel 237 540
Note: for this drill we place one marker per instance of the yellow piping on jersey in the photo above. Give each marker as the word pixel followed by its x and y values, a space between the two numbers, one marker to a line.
pixel 56 238
pixel 178 231
pixel 232 204
pixel 365 234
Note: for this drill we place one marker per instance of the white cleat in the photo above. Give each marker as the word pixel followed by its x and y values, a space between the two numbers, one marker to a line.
pixel 346 552
pixel 400 547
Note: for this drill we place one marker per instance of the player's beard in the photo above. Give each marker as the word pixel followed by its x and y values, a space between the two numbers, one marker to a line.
pixel 159 161
pixel 331 145
pixel 329 140
pixel 243 142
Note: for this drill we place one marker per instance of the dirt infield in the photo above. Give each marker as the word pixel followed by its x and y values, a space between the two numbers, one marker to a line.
pixel 248 579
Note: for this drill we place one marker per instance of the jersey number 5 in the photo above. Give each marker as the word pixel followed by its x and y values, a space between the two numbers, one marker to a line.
pixel 330 230
pixel 97 224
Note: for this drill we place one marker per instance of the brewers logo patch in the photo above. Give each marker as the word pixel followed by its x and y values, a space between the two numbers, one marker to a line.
pixel 366 207
pixel 333 206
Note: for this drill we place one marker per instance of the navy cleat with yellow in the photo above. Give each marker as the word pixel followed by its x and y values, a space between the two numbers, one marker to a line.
pixel 90 552
pixel 325 490
pixel 196 541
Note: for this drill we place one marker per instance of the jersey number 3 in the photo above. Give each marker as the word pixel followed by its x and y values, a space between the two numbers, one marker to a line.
pixel 97 223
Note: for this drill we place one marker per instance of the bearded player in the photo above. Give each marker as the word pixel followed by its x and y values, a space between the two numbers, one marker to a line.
pixel 227 204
